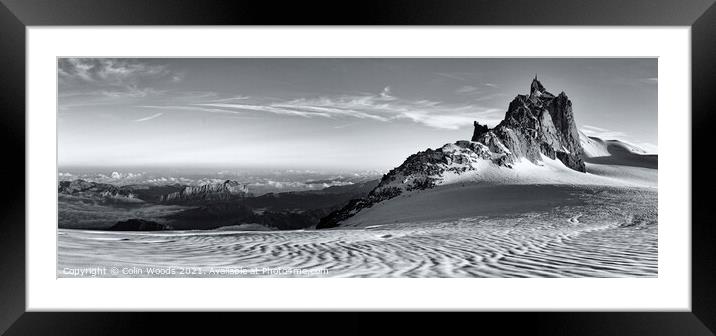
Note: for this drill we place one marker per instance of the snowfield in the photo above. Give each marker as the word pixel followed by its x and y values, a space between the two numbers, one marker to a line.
pixel 553 231
pixel 541 220
pixel 550 171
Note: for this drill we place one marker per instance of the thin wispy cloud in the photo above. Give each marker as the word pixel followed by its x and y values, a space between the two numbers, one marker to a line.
pixel 130 91
pixel 489 97
pixel 471 78
pixel 177 77
pixel 153 116
pixel 107 95
pixel 231 99
pixel 479 94
pixel 383 107
pixel 454 76
pixel 343 126
pixel 385 94
pixel 328 107
pixel 188 108
pixel 275 109
pixel 467 89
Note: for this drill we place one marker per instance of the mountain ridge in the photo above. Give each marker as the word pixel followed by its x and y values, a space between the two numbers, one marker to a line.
pixel 211 191
pixel 536 127
pixel 80 187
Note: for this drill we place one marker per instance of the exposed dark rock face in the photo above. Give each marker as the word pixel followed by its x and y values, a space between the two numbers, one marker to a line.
pixel 540 123
pixel 535 125
pixel 139 225
pixel 213 191
pixel 420 171
pixel 479 131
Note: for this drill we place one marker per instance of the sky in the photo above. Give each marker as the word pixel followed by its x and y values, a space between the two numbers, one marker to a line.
pixel 330 113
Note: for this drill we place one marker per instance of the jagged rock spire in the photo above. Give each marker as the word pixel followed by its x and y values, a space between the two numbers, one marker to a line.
pixel 545 124
pixel 536 88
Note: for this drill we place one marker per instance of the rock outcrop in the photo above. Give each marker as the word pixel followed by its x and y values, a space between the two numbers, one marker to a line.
pixel 536 126
pixel 540 123
pixel 139 225
pixel 81 187
pixel 479 131
pixel 208 192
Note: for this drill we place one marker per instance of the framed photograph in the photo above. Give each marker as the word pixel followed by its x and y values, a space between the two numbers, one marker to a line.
pixel 527 161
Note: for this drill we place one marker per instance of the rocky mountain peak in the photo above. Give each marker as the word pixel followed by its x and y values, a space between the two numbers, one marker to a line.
pixel 536 88
pixel 542 124
pixel 536 126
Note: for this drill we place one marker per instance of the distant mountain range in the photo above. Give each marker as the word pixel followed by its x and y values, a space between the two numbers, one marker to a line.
pixel 212 191
pixel 84 188
pixel 93 205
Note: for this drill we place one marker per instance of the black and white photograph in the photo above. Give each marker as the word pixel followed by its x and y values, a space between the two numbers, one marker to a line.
pixel 494 159
pixel 357 167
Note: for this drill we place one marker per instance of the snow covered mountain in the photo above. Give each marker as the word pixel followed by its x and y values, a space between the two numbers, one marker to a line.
pixel 536 143
pixel 620 161
pixel 601 151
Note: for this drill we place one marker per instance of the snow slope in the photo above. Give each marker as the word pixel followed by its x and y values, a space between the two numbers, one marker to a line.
pixel 609 163
pixel 550 171
pixel 462 180
pixel 527 231
pixel 620 160
pixel 597 147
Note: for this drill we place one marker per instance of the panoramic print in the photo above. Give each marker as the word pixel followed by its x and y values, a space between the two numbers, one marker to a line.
pixel 357 167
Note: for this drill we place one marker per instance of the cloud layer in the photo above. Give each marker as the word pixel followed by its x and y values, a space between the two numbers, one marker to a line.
pixel 382 107
pixel 108 78
pixel 109 71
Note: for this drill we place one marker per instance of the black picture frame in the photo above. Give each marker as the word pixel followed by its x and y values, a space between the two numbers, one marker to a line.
pixel 16 15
